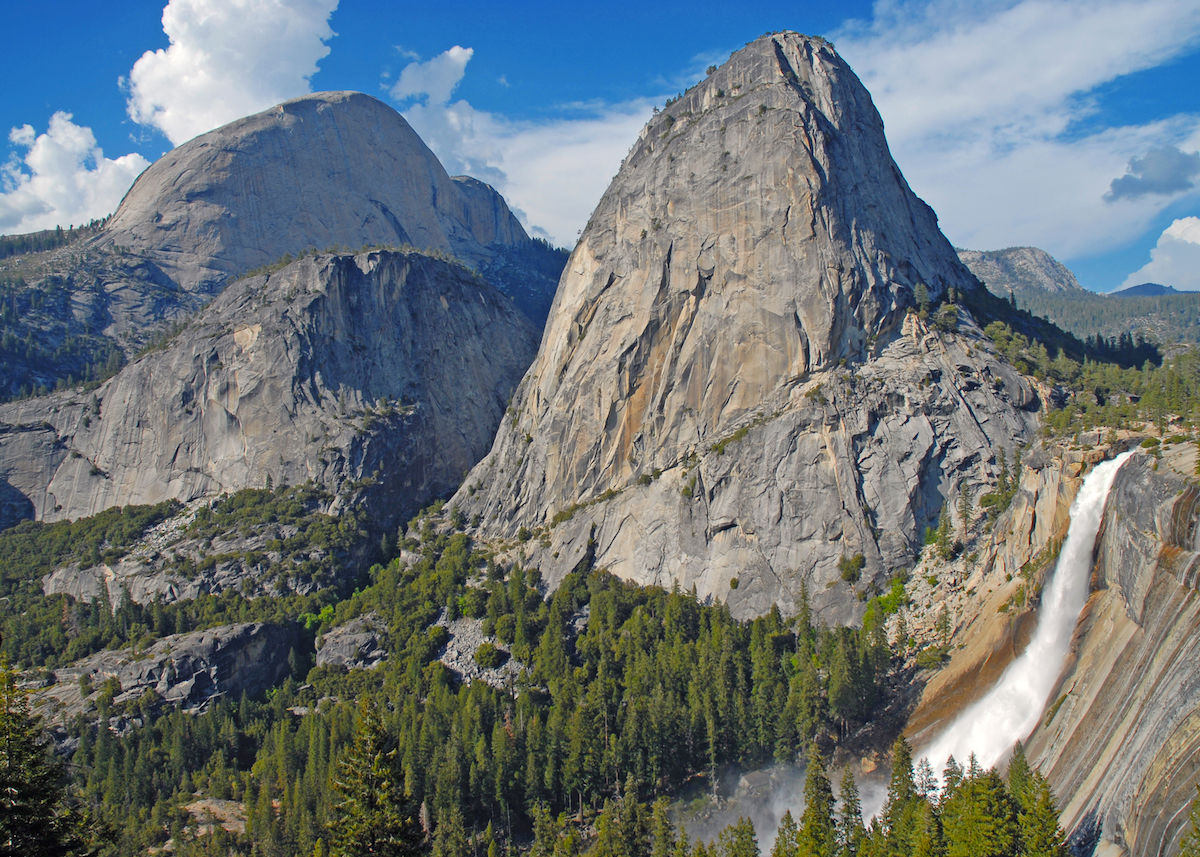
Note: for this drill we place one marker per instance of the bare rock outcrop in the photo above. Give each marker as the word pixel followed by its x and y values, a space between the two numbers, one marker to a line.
pixel 731 391
pixel 381 376
pixel 327 170
pixel 358 644
pixel 187 671
pixel 1021 270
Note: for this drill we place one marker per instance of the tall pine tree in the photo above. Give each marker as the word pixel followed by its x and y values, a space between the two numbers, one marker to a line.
pixel 36 815
pixel 372 817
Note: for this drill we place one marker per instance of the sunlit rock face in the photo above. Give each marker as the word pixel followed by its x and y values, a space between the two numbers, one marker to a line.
pixel 326 170
pixel 731 392
pixel 379 376
pixel 1121 743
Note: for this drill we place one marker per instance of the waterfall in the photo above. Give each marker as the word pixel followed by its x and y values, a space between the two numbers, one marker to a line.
pixel 1010 710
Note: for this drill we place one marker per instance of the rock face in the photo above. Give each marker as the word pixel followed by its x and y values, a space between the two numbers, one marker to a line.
pixel 184 670
pixel 730 391
pixel 1021 270
pixel 381 375
pixel 359 644
pixel 328 170
pixel 1122 743
pixel 1120 740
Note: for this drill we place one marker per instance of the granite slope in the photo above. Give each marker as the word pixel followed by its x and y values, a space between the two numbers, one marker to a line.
pixel 380 376
pixel 732 391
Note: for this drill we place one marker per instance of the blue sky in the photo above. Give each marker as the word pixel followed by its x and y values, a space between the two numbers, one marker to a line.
pixel 1073 126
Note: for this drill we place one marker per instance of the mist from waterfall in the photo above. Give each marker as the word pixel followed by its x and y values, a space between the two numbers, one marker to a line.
pixel 1010 710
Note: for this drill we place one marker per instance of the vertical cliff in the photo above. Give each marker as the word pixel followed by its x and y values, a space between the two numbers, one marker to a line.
pixel 1121 742
pixel 1120 736
pixel 728 393
pixel 381 375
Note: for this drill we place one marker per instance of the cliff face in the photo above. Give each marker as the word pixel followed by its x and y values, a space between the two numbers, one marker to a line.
pixel 724 388
pixel 381 375
pixel 333 171
pixel 1122 741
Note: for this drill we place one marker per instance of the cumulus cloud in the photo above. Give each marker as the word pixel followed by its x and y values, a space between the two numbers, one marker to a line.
pixel 1165 170
pixel 1175 259
pixel 435 79
pixel 990 111
pixel 552 173
pixel 227 59
pixel 63 177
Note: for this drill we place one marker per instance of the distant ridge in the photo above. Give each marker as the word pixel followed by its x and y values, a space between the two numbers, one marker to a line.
pixel 1022 271
pixel 1145 290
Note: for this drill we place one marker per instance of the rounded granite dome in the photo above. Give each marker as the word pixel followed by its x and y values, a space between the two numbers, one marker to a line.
pixel 331 169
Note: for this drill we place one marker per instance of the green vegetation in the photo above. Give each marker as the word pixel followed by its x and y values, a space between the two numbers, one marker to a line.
pixel 42 346
pixel 653 691
pixel 1164 319
pixel 46 239
pixel 310 558
pixel 851 567
pixel 41 815
pixel 1104 394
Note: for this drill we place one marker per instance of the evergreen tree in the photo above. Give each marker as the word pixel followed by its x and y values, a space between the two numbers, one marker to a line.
pixel 816 835
pixel 662 833
pixel 372 816
pixel 785 837
pixel 952 777
pixel 927 832
pixel 450 837
pixel 851 834
pixel 737 840
pixel 1038 832
pixel 899 810
pixel 980 820
pixel 36 815
pixel 1020 778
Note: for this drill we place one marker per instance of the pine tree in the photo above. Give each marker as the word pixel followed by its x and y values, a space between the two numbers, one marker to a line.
pixel 737 840
pixel 662 833
pixel 816 835
pixel 37 816
pixel 899 810
pixel 450 837
pixel 372 816
pixel 851 834
pixel 785 837
pixel 1037 822
pixel 927 832
pixel 980 820
pixel 1020 779
pixel 952 777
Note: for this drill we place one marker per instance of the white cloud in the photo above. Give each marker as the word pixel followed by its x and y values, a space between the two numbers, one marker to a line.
pixel 433 79
pixel 1175 259
pixel 977 99
pixel 552 173
pixel 62 179
pixel 227 59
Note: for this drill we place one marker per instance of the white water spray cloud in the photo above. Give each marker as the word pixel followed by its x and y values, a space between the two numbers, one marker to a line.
pixel 1011 709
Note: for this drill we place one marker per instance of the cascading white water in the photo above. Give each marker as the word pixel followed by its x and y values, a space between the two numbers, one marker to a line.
pixel 1010 710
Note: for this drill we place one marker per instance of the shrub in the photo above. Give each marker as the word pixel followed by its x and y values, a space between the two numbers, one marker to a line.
pixel 489 657
pixel 851 567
